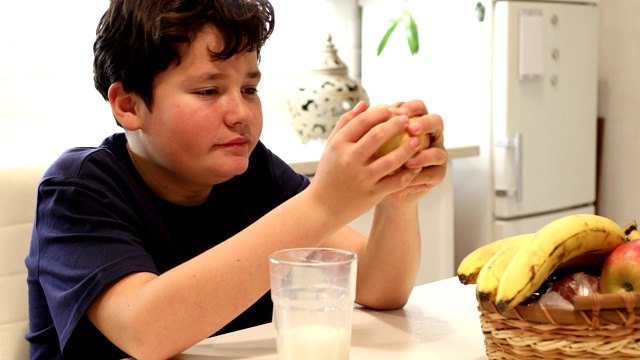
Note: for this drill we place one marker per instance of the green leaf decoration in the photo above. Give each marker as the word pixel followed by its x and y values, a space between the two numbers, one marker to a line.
pixel 411 29
pixel 385 38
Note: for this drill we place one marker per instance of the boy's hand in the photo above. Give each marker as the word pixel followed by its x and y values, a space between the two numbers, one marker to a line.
pixel 430 163
pixel 350 179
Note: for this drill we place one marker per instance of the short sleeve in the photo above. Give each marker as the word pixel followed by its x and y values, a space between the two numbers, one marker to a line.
pixel 85 237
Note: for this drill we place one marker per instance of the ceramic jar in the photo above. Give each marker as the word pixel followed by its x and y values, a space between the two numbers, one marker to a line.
pixel 323 96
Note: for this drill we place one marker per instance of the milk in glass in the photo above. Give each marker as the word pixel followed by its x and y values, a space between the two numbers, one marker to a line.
pixel 313 342
pixel 313 291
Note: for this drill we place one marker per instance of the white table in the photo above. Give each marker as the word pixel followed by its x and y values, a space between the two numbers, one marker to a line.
pixel 441 321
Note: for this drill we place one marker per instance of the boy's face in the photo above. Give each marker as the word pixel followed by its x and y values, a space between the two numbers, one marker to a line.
pixel 206 117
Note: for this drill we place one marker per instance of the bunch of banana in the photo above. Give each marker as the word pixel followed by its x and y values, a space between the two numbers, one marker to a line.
pixel 491 273
pixel 470 266
pixel 519 265
pixel 557 242
pixel 631 230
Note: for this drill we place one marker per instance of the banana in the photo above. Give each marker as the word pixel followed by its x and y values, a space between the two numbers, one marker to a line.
pixel 491 273
pixel 631 230
pixel 556 243
pixel 470 266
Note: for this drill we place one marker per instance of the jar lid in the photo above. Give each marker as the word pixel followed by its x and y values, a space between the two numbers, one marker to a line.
pixel 332 63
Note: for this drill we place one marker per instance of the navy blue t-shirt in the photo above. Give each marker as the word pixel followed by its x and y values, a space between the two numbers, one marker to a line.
pixel 96 221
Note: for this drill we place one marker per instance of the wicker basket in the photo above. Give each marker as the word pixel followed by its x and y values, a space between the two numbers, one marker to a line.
pixel 600 327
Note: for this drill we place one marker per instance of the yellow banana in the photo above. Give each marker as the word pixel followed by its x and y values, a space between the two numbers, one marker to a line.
pixel 491 273
pixel 470 266
pixel 631 230
pixel 557 242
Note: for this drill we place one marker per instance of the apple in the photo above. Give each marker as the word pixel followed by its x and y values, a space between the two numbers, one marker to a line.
pixel 399 139
pixel 621 269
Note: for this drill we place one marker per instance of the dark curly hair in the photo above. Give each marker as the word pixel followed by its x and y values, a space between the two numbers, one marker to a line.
pixel 138 39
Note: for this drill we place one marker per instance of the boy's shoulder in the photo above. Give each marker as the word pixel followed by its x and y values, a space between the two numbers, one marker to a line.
pixel 78 161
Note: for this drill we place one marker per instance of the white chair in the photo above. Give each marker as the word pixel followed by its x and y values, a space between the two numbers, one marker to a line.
pixel 18 187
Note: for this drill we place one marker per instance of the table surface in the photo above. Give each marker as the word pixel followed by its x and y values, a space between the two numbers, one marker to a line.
pixel 440 321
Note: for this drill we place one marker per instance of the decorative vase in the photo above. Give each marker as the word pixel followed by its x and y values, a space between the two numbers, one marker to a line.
pixel 324 95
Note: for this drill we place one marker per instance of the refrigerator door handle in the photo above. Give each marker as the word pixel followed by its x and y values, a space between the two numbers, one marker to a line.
pixel 516 145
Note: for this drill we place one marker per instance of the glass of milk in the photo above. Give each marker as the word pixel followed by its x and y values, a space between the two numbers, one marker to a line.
pixel 313 292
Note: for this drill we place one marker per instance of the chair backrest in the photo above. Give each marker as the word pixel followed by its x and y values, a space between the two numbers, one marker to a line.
pixel 18 188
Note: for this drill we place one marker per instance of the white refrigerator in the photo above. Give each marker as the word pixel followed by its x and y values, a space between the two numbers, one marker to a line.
pixel 519 78
pixel 544 112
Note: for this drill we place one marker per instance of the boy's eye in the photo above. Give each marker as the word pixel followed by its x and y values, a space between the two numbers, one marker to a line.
pixel 206 92
pixel 251 91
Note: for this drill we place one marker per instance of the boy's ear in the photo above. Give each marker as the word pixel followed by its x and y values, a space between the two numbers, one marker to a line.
pixel 124 106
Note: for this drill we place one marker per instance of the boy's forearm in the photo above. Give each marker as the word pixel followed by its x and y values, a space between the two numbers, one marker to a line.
pixel 388 268
pixel 166 314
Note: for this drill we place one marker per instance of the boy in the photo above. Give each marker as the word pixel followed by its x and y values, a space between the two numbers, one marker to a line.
pixel 160 237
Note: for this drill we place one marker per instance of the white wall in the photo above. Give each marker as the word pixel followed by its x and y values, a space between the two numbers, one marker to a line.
pixel 48 103
pixel 47 99
pixel 619 104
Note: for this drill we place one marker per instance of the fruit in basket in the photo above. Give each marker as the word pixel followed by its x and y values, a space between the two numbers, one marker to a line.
pixel 631 230
pixel 621 270
pixel 471 265
pixel 491 273
pixel 394 142
pixel 576 284
pixel 557 242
